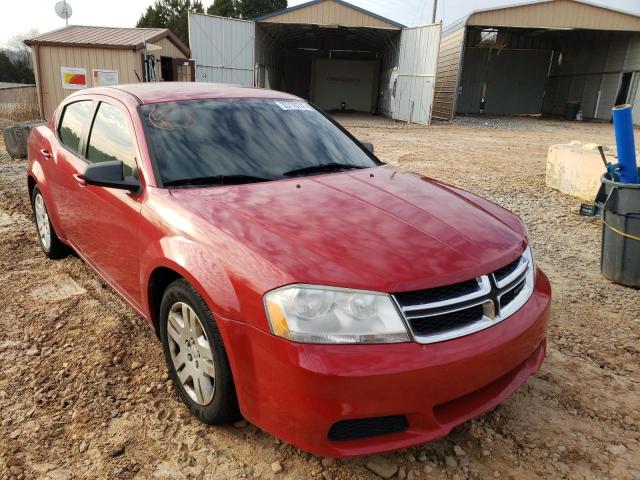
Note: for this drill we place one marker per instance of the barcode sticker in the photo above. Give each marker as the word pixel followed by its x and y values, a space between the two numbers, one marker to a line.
pixel 294 106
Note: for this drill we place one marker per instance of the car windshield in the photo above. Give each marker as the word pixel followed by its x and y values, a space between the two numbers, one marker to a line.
pixel 224 141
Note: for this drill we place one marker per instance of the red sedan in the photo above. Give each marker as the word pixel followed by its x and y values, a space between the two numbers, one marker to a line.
pixel 346 306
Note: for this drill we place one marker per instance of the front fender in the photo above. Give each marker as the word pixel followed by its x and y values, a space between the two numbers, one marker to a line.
pixel 191 261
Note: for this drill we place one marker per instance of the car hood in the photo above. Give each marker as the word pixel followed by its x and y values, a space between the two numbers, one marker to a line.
pixel 379 229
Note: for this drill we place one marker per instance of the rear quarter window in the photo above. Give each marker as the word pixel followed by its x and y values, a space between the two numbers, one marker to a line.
pixel 72 123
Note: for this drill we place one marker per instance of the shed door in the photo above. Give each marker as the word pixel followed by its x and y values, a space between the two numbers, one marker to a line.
pixel 223 49
pixel 417 62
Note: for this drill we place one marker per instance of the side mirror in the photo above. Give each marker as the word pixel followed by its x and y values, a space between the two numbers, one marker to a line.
pixel 368 146
pixel 110 174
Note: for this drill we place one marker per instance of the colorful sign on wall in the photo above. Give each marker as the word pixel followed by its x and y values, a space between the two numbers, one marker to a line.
pixel 73 78
pixel 104 78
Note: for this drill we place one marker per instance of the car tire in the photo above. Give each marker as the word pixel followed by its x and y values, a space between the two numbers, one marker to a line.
pixel 195 355
pixel 47 237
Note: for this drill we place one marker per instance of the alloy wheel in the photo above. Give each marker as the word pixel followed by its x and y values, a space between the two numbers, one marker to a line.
pixel 42 221
pixel 191 353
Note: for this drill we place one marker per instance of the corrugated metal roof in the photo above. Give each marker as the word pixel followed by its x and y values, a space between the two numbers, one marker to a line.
pixel 602 17
pixel 105 37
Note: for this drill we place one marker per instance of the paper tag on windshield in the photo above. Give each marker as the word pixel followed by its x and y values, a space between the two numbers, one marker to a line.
pixel 294 106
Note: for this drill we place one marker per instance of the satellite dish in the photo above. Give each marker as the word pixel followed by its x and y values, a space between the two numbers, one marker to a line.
pixel 63 10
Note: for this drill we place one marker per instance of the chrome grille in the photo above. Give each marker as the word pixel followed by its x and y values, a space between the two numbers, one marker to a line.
pixel 443 313
pixel 438 294
pixel 507 270
pixel 443 322
pixel 508 297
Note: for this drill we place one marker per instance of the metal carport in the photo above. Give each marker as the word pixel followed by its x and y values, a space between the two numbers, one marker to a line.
pixel 533 58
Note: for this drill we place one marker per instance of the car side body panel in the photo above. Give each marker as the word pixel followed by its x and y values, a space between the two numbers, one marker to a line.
pixel 40 170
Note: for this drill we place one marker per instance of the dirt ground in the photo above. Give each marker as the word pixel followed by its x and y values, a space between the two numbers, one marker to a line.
pixel 84 393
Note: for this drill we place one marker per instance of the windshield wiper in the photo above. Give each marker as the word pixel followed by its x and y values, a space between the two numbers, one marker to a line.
pixel 215 180
pixel 324 167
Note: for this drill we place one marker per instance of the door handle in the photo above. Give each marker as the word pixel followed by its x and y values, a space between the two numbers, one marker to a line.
pixel 79 178
pixel 46 153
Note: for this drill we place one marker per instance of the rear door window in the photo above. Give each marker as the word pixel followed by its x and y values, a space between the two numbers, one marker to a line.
pixel 74 119
pixel 110 139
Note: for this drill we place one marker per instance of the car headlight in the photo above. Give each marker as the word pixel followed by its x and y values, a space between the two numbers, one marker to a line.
pixel 528 255
pixel 531 266
pixel 313 314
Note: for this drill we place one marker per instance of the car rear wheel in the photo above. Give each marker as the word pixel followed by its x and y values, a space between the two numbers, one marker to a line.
pixel 195 355
pixel 49 241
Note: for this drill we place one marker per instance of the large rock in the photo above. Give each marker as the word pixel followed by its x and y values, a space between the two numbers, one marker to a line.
pixel 575 168
pixel 15 138
pixel 382 467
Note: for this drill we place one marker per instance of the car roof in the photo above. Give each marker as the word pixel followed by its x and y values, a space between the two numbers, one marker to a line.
pixel 156 92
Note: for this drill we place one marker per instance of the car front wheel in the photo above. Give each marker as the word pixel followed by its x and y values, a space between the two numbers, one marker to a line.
pixel 195 355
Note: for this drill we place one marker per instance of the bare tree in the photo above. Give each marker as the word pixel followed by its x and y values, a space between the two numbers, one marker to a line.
pixel 16 44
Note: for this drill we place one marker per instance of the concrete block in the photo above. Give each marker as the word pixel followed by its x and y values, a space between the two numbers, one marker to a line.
pixel 575 168
pixel 15 138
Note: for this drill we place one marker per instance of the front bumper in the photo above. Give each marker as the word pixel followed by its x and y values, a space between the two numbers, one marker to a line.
pixel 298 391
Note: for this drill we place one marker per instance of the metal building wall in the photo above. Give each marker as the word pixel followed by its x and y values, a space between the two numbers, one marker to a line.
pixel 329 12
pixel 447 73
pixel 223 48
pixel 389 57
pixel 591 72
pixel 515 81
pixel 632 62
pixel 268 61
pixel 350 81
pixel 472 77
pixel 592 62
pixel 418 58
pixel 169 49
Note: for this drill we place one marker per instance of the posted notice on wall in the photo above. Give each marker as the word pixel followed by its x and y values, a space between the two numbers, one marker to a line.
pixel 73 78
pixel 104 78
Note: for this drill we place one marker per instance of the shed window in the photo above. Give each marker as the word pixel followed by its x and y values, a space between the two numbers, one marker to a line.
pixel 74 118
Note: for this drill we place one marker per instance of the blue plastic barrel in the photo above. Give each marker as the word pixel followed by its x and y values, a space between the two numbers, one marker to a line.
pixel 623 126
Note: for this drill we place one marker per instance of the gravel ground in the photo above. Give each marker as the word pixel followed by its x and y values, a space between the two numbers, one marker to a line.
pixel 84 393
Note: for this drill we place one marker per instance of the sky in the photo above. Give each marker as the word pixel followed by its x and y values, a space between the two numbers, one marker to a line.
pixel 24 15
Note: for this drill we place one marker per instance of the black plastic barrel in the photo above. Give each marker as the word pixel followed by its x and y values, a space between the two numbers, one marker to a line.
pixel 571 109
pixel 620 254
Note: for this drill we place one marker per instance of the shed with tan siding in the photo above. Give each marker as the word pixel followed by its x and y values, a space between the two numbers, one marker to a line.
pixel 104 50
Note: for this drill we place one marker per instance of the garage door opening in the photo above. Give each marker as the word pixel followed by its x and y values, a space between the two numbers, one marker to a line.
pixel 336 68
